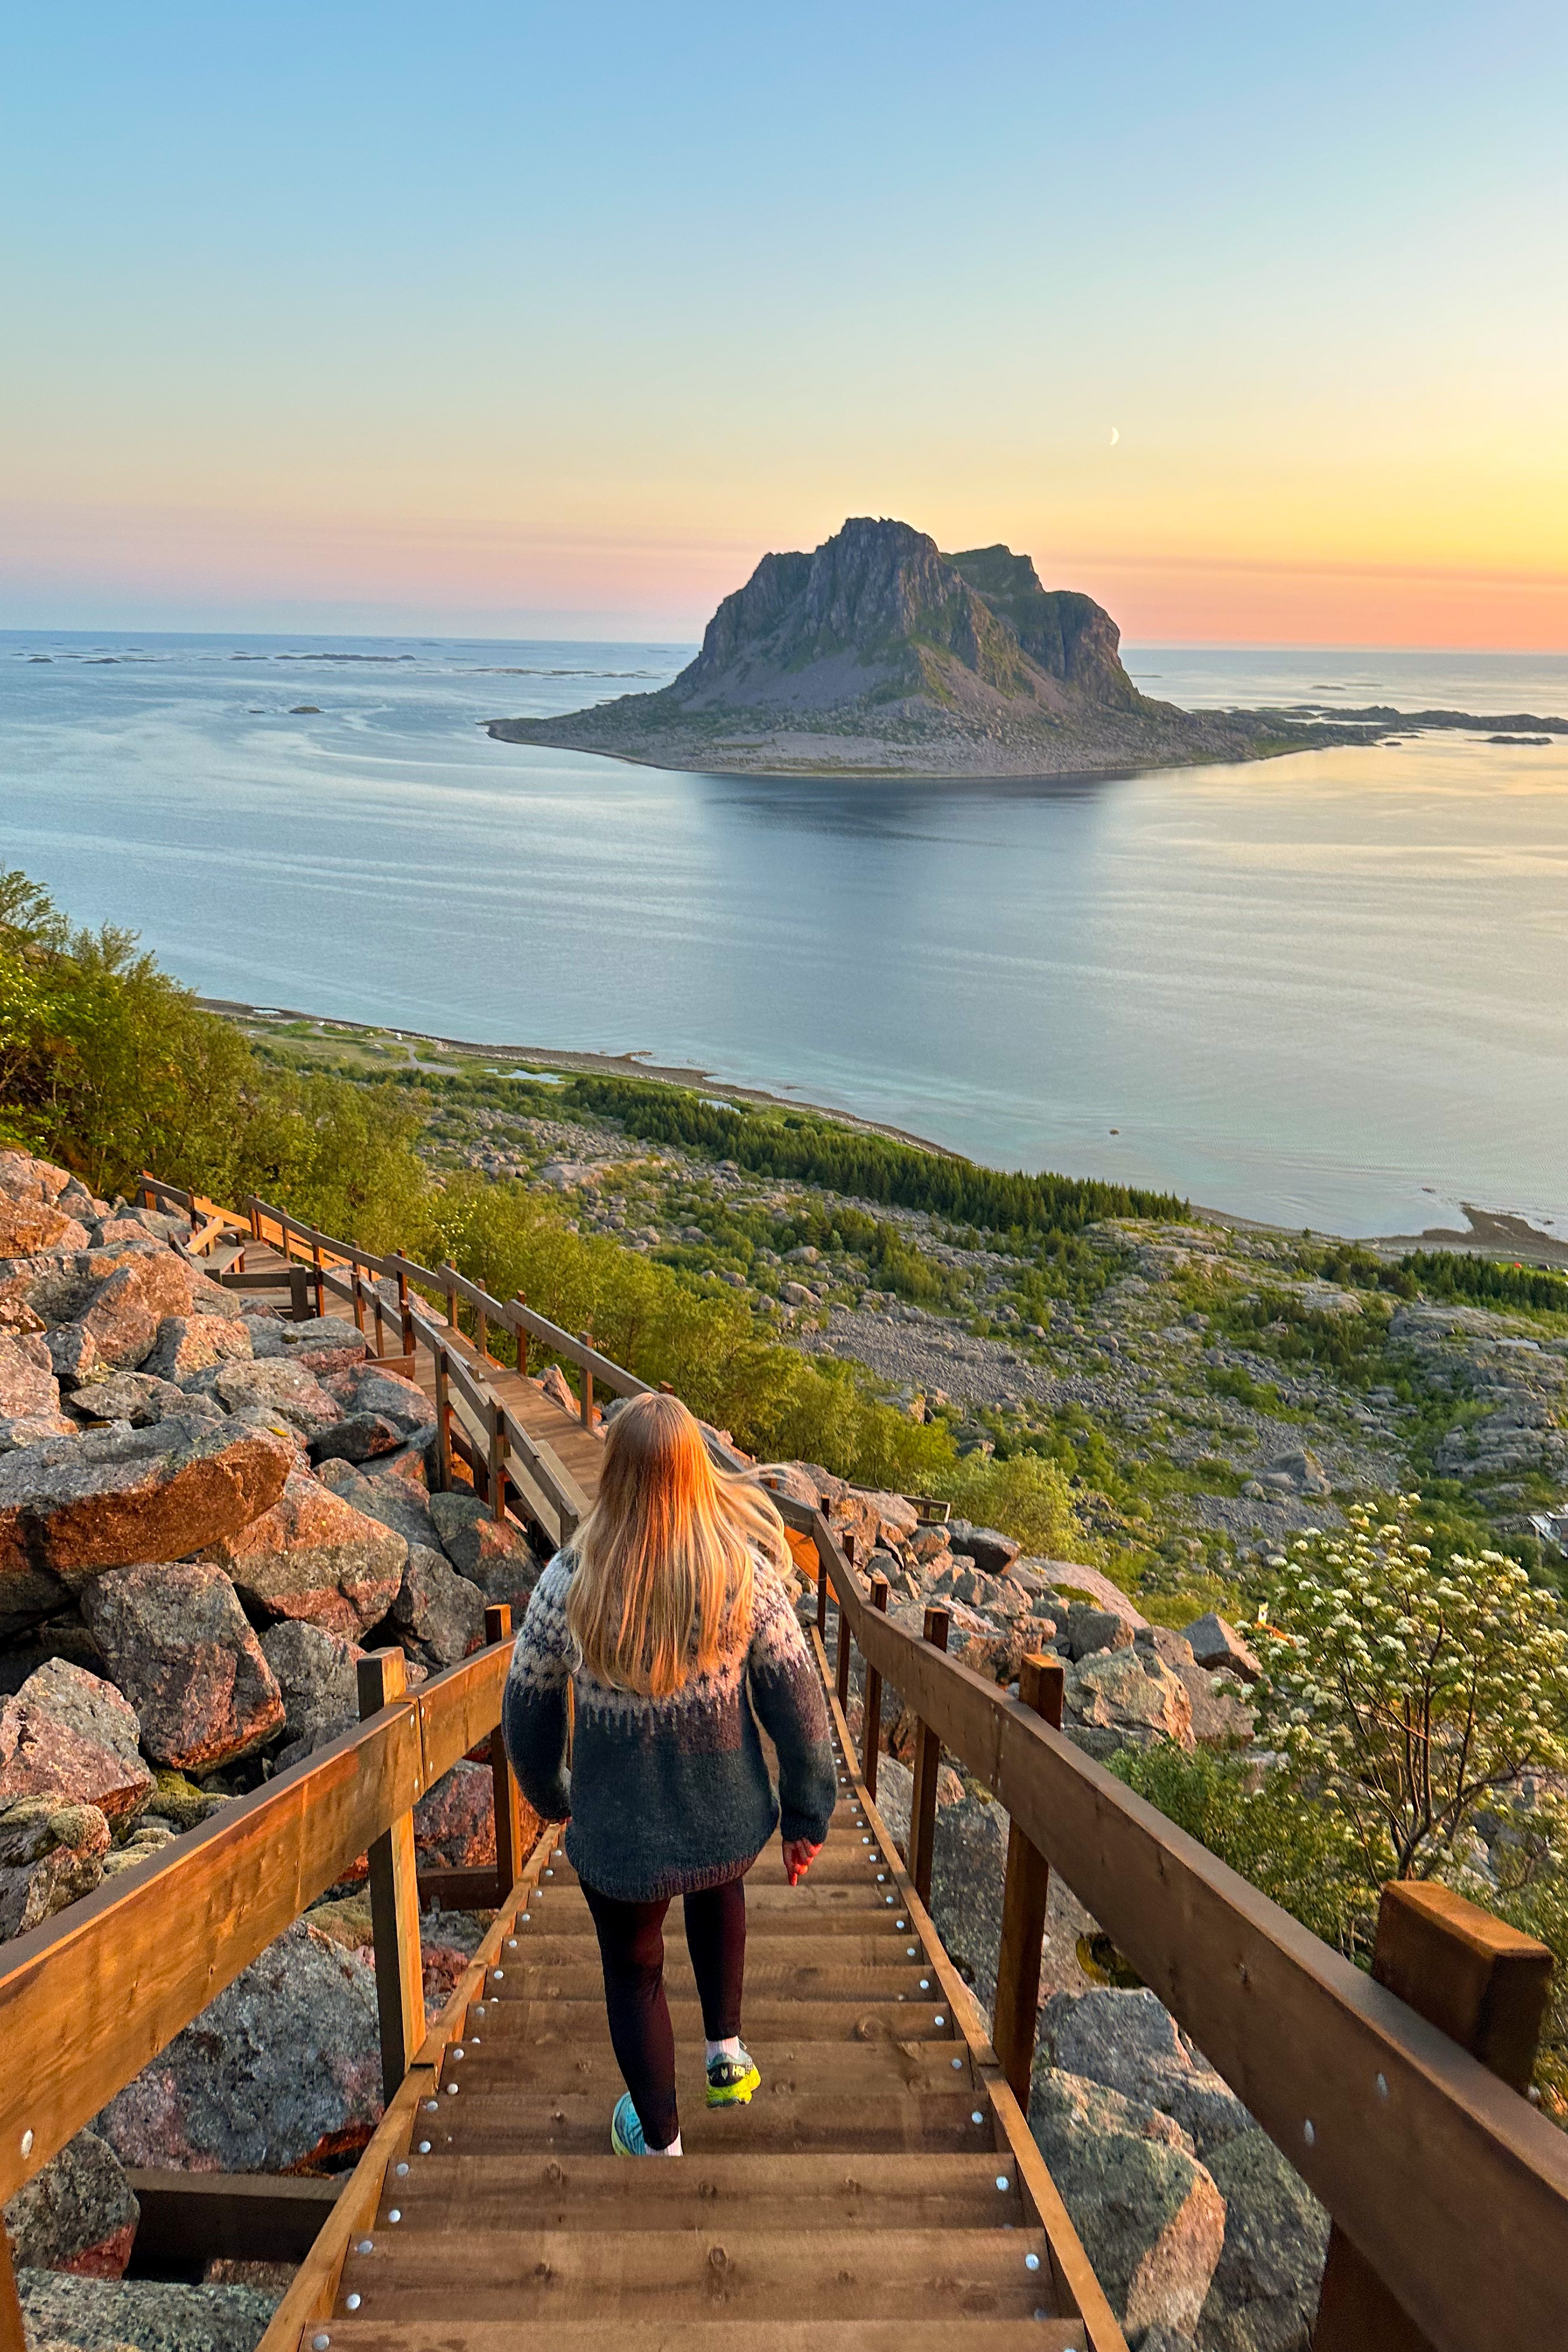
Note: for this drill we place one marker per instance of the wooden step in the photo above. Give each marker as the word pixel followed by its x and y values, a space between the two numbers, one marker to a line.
pixel 782 1979
pixel 484 2065
pixel 855 1912
pixel 604 2192
pixel 559 2023
pixel 538 1950
pixel 731 2271
pixel 777 2120
pixel 688 2332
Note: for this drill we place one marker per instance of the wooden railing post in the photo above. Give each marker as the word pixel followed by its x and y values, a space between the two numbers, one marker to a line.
pixel 13 2334
pixel 497 1462
pixel 405 1311
pixel 448 1268
pixel 1026 1890
pixel 394 1898
pixel 376 1305
pixel 443 1423
pixel 586 1406
pixel 357 1289
pixel 871 1730
pixel 316 1263
pixel 822 1596
pixel 927 1763
pixel 482 1335
pixel 1484 1985
pixel 522 1338
pixel 508 1798
pixel 847 1545
pixel 298 1294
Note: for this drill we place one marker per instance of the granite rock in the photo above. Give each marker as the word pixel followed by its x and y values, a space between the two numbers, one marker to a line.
pixel 189 1343
pixel 76 1505
pixel 181 1648
pixel 51 1852
pixel 70 1735
pixel 88 2315
pixel 128 1309
pixel 314 1556
pixel 315 1673
pixel 1124 1698
pixel 283 2068
pixel 1264 2293
pixel 441 1612
pixel 1150 2218
pixel 79 2214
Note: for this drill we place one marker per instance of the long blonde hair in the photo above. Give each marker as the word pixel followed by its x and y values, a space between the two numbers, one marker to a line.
pixel 662 1584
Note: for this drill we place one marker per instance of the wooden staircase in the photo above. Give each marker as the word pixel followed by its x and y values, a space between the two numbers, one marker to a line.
pixel 881 2189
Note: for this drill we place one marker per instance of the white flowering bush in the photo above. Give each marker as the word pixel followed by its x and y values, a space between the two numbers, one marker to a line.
pixel 1407 1695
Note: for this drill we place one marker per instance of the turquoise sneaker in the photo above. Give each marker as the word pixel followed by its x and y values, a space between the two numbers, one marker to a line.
pixel 731 2081
pixel 626 2128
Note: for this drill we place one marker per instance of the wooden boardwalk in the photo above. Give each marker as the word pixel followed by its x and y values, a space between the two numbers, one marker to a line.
pixel 872 2193
pixel 875 2191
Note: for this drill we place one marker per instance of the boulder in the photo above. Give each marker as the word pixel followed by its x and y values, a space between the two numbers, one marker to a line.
pixel 454 1824
pixel 70 1735
pixel 189 1343
pixel 1129 2042
pixel 140 1398
pixel 992 1552
pixel 50 1853
pixel 127 1309
pixel 358 1437
pixel 88 2315
pixel 149 1837
pixel 79 2214
pixel 180 1803
pixel 1217 1646
pixel 441 1612
pixel 873 1516
pixel 1264 2293
pixel 181 1648
pixel 1150 2218
pixel 210 1298
pixel 326 1343
pixel 1090 1630
pixel 1066 1576
pixel 313 1556
pixel 315 1672
pixel 23 1177
pixel 366 1390
pixel 29 1225
pixel 282 2069
pixel 76 1505
pixel 1124 1698
pixel 290 1388
pixel 73 1351
pixel 1298 1472
pixel 493 1554
pixel 28 1388
pixel 381 1494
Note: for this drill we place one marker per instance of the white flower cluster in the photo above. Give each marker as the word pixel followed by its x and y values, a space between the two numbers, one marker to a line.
pixel 1409 1695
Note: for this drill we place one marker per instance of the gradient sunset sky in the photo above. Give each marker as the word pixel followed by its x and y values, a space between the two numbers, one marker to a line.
pixel 505 319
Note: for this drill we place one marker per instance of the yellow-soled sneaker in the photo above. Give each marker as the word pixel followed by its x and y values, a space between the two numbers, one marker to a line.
pixel 731 2081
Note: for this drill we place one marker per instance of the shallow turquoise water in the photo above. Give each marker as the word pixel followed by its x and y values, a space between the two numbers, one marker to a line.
pixel 1329 989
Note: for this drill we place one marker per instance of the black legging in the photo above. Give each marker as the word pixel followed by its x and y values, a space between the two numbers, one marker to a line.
pixel 632 1947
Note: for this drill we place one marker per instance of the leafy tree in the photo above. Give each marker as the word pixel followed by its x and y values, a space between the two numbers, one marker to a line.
pixel 1411 1694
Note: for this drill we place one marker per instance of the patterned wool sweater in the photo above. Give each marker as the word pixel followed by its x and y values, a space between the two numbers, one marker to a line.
pixel 666 1796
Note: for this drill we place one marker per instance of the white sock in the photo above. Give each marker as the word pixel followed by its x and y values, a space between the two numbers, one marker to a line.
pixel 674 2148
pixel 728 2048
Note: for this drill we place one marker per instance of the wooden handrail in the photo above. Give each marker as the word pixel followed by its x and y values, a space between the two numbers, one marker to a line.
pixel 89 1999
pixel 1451 2185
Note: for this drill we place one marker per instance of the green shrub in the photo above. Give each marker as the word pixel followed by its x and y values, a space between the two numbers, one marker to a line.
pixel 1027 1496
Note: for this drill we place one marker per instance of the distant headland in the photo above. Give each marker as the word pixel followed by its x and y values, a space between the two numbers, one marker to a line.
pixel 877 654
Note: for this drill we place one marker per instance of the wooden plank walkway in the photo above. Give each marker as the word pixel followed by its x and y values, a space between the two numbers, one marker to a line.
pixel 881 2190
pixel 871 2194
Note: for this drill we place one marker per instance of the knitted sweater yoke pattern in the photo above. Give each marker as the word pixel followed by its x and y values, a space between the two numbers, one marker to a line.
pixel 667 1796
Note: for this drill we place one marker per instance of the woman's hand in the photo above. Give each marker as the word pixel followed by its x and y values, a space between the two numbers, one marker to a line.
pixel 799 1854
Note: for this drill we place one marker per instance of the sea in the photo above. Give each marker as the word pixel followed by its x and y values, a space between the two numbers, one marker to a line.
pixel 1328 990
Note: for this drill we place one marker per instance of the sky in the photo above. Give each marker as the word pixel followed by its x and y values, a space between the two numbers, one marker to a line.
pixel 509 320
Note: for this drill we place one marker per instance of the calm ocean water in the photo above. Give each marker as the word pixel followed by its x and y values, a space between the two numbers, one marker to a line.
pixel 1328 990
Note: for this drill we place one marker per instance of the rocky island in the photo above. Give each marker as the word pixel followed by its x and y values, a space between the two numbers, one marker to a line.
pixel 877 654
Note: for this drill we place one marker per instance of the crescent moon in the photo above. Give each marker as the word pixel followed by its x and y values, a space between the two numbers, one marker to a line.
pixel 1116 437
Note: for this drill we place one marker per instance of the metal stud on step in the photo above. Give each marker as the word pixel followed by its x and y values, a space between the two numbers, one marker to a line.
pixel 352 2303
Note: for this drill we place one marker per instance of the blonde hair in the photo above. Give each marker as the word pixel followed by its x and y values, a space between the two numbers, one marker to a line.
pixel 662 1584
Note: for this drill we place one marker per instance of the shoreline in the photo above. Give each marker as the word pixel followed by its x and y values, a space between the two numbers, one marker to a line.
pixel 1492 1233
